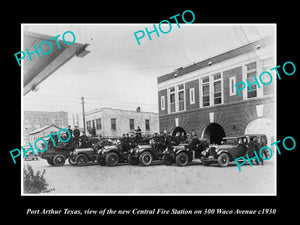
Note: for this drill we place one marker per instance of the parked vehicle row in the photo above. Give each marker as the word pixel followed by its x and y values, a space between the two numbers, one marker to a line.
pixel 145 153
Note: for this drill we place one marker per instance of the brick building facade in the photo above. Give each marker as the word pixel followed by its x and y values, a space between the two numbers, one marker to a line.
pixel 202 98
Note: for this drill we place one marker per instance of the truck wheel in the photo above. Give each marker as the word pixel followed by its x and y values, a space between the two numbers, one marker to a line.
pixel 132 161
pixel 50 161
pixel 182 159
pixel 59 160
pixel 167 160
pixel 146 158
pixel 112 159
pixel 81 160
pixel 72 162
pixel 223 160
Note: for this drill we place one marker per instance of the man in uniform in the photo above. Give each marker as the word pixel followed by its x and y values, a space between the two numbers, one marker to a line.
pixel 252 146
pixel 70 130
pixel 76 136
pixel 84 140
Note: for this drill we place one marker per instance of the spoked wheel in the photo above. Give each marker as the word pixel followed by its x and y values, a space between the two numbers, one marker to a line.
pixel 59 160
pixel 223 160
pixel 81 160
pixel 182 159
pixel 146 158
pixel 112 159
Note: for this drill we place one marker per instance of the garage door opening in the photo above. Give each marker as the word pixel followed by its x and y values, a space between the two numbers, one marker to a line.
pixel 213 133
pixel 178 131
pixel 262 126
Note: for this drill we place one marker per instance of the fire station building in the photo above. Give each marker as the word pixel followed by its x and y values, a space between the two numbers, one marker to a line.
pixel 202 99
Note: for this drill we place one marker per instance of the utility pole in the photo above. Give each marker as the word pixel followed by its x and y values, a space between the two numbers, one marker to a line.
pixel 83 115
pixel 73 121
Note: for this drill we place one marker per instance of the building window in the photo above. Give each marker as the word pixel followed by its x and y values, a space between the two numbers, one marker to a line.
pixel 98 124
pixel 205 91
pixel 147 125
pixel 162 103
pixel 217 89
pixel 172 99
pixel 180 97
pixel 88 125
pixel 251 72
pixel 113 124
pixel 176 99
pixel 131 124
pixel 192 96
pixel 232 89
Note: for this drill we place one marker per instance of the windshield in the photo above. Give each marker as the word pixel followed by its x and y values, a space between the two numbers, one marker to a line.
pixel 232 141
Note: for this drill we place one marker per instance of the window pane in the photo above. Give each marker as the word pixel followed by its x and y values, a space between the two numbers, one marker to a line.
pixel 180 87
pixel 147 124
pixel 181 96
pixel 205 89
pixel 172 89
pixel 181 106
pixel 251 66
pixel 217 86
pixel 172 98
pixel 172 107
pixel 217 76
pixel 131 124
pixel 205 80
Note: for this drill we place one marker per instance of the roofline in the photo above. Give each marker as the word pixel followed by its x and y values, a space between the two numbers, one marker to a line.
pixel 104 108
pixel 188 69
pixel 43 128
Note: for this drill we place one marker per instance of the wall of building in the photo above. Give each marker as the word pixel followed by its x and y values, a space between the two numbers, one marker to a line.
pixel 122 118
pixel 234 114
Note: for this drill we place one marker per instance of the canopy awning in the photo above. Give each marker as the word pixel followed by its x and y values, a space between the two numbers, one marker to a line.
pixel 37 70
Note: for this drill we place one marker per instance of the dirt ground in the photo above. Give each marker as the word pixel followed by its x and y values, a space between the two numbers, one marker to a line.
pixel 160 179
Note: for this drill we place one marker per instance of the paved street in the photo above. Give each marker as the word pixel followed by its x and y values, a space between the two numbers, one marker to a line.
pixel 159 179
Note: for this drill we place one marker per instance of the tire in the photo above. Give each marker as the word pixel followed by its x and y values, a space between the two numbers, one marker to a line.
pixel 182 159
pixel 72 162
pixel 146 158
pixel 50 161
pixel 112 159
pixel 223 160
pixel 81 160
pixel 167 160
pixel 59 160
pixel 132 161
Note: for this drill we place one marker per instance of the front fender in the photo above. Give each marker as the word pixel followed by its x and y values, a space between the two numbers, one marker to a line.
pixel 224 151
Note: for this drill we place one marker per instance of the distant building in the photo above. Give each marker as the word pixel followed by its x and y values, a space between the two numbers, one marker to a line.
pixel 42 132
pixel 34 120
pixel 202 98
pixel 116 122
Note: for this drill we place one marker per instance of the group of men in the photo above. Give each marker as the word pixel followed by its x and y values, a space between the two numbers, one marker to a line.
pixel 254 145
pixel 75 140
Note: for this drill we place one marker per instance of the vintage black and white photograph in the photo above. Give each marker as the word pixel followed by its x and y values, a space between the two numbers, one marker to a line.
pixel 148 109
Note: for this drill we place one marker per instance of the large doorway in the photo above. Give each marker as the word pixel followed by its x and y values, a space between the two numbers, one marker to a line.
pixel 178 131
pixel 262 126
pixel 213 133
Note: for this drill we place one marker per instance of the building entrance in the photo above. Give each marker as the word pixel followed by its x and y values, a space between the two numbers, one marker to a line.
pixel 213 133
pixel 178 131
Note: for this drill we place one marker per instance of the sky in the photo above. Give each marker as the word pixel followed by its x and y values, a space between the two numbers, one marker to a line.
pixel 119 73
